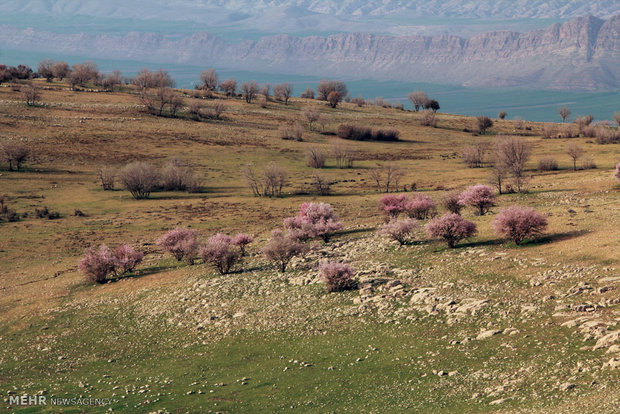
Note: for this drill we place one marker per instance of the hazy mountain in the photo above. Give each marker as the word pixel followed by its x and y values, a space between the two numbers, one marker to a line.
pixel 201 9
pixel 580 54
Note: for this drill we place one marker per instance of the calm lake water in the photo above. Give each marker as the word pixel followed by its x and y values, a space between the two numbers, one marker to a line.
pixel 533 105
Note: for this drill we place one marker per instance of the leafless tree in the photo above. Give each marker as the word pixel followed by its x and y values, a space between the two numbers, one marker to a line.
pixel 229 87
pixel 473 155
pixel 321 185
pixel 429 118
pixel 312 115
pixel 269 183
pixel 249 90
pixel 107 176
pixel 575 152
pixel 617 117
pixel 549 131
pixel 209 80
pixel 14 153
pixel 45 69
pixel 307 94
pixel 83 73
pixel 32 93
pixel 315 158
pixel 60 70
pixel 387 177
pixel 564 113
pixel 513 153
pixel 583 122
pixel 343 156
pixel 325 87
pixel 334 98
pixel 498 176
pixel 112 80
pixel 283 92
pixel 265 90
pixel 418 99
pixel 482 123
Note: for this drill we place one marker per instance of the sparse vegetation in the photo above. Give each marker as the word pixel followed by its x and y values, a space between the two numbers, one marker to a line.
pixel 519 223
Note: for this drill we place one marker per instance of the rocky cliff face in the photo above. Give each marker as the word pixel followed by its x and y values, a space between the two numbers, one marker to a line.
pixel 581 54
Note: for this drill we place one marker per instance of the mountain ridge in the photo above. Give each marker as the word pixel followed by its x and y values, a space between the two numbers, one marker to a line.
pixel 583 53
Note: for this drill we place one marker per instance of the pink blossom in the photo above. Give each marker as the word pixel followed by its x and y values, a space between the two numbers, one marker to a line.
pixel 479 196
pixel 519 223
pixel 392 205
pixel 399 230
pixel 337 276
pixel 452 228
pixel 219 252
pixel 420 207
pixel 181 243
pixel 313 220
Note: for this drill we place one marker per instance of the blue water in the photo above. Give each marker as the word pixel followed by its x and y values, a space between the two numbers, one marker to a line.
pixel 533 105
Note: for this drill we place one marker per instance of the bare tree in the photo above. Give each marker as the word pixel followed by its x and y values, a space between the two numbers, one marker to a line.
pixel 267 184
pixel 564 113
pixel 60 70
pixel 429 118
pixel 473 155
pixel 312 115
pixel 229 87
pixel 325 87
pixel 334 98
pixel 617 117
pixel 112 80
pixel 283 91
pixel 307 94
pixel 482 123
pixel 209 80
pixel 513 153
pixel 575 152
pixel 418 99
pixel 83 73
pixel 343 156
pixel 583 122
pixel 32 93
pixel 265 90
pixel 321 185
pixel 499 173
pixel 45 69
pixel 249 90
pixel 315 158
pixel 387 177
pixel 14 153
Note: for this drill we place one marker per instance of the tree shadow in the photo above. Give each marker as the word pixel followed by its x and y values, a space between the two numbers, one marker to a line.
pixel 481 243
pixel 143 272
pixel 567 235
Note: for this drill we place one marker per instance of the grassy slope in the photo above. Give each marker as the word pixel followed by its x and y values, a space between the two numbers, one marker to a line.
pixel 58 334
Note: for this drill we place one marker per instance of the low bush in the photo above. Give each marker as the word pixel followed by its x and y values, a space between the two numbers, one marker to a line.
pixel 451 202
pixel 220 253
pixel 178 176
pixel 181 243
pixel 139 178
pixel 452 228
pixel 281 248
pixel 315 158
pixel 101 262
pixel 420 207
pixel 338 277
pixel 294 131
pixel 428 118
pixel 519 223
pixel 547 164
pixel 7 214
pixel 357 133
pixel 479 196
pixel 399 230
pixel 107 177
pixel 392 205
pixel 242 241
pixel 313 220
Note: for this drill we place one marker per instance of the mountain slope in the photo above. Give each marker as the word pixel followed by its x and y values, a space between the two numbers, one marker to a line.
pixel 581 54
pixel 197 9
